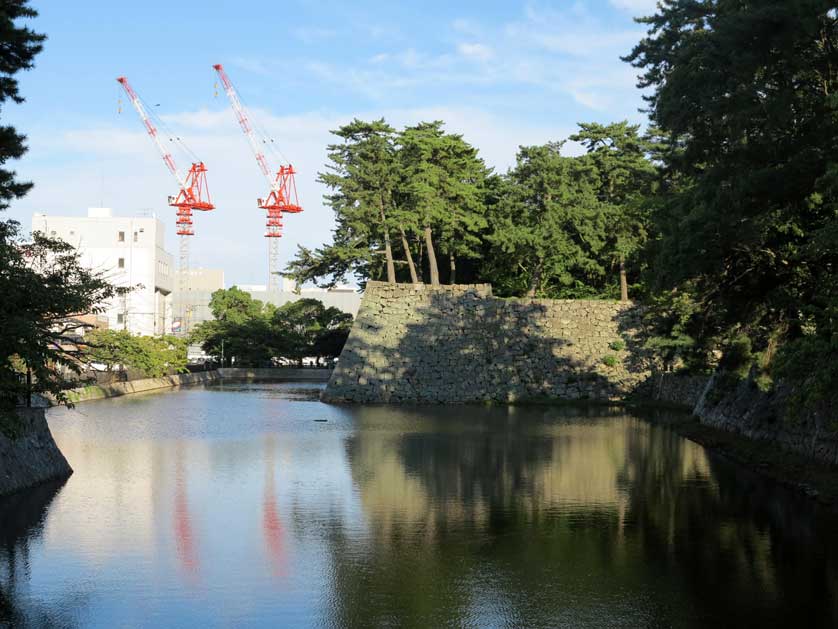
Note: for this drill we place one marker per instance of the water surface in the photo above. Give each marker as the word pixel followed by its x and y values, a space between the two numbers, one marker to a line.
pixel 239 506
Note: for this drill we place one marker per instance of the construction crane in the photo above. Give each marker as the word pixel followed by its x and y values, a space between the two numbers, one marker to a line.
pixel 193 194
pixel 283 189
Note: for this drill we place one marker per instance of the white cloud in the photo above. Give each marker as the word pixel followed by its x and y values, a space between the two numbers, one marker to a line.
pixel 478 52
pixel 120 168
pixel 566 51
pixel 564 56
pixel 637 7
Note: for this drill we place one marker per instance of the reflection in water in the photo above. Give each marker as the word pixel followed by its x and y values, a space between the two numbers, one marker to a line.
pixel 21 526
pixel 271 524
pixel 423 517
pixel 184 535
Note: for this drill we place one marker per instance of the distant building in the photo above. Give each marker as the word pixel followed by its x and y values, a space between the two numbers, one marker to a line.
pixel 345 299
pixel 200 285
pixel 129 251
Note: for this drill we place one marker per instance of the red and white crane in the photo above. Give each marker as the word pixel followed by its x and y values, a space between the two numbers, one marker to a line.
pixel 193 194
pixel 283 189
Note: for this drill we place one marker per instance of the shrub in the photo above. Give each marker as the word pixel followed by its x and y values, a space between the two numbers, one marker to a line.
pixel 610 361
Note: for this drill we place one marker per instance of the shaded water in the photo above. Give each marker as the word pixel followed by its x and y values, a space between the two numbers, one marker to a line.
pixel 234 506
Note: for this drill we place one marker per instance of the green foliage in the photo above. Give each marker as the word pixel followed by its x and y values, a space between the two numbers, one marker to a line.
pixel 625 180
pixel 810 365
pixel 307 328
pixel 151 355
pixel 738 356
pixel 43 286
pixel 671 322
pixel 610 361
pixel 547 231
pixel 744 94
pixel 617 346
pixel 442 179
pixel 234 305
pixel 20 46
pixel 255 334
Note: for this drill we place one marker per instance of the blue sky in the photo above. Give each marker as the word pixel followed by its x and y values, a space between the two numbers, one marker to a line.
pixel 501 73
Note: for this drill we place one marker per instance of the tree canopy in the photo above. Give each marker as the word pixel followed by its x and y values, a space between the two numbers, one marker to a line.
pixel 253 334
pixel 746 94
pixel 44 287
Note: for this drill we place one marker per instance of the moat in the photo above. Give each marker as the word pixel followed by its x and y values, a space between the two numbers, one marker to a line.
pixel 258 506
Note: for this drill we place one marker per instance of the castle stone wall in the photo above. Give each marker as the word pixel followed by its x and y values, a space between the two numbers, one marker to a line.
pixel 446 344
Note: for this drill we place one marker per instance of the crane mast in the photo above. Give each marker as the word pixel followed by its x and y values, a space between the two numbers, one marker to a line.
pixel 193 194
pixel 282 197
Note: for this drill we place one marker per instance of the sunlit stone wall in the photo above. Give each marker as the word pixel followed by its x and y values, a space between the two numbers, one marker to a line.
pixel 417 343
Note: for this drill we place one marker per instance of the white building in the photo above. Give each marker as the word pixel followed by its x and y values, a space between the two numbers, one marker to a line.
pixel 344 298
pixel 129 251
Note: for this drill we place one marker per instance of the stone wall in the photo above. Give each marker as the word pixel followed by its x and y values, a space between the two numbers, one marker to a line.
pixel 741 407
pixel 744 409
pixel 102 391
pixel 417 343
pixel 30 456
pixel 677 389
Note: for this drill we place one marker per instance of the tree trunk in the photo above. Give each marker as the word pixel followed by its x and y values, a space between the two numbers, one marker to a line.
pixel 409 256
pixel 453 261
pixel 429 243
pixel 28 387
pixel 388 251
pixel 624 290
pixel 421 265
pixel 535 282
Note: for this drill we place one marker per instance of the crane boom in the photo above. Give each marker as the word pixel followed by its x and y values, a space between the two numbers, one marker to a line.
pixel 152 131
pixel 193 194
pixel 282 197
pixel 244 123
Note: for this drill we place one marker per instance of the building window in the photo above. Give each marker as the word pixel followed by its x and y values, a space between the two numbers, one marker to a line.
pixel 120 318
pixel 121 263
pixel 135 236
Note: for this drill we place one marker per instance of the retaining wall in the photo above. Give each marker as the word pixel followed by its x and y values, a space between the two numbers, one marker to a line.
pixel 741 407
pixel 30 457
pixel 448 344
pixel 101 391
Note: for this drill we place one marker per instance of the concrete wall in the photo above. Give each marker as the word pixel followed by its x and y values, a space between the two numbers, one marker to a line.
pixel 417 343
pixel 102 391
pixel 30 457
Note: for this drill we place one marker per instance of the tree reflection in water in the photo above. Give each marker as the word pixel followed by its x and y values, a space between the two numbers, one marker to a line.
pixel 560 519
pixel 21 526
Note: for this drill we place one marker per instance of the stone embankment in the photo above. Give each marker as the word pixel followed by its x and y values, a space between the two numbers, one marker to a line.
pixel 278 374
pixel 28 453
pixel 741 407
pixel 452 344
pixel 102 391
